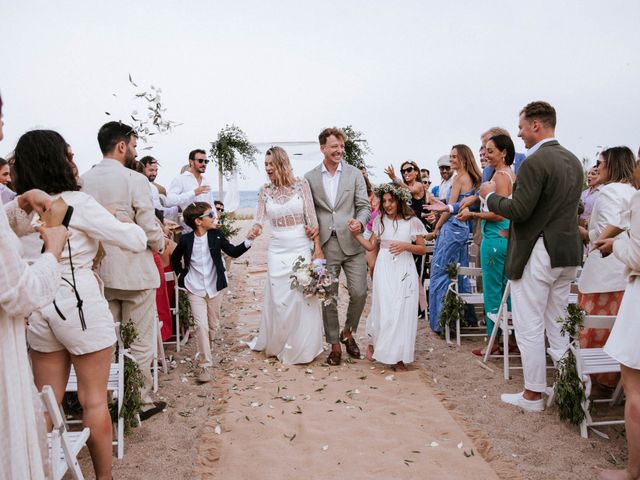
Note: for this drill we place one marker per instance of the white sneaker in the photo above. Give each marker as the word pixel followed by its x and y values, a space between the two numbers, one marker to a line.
pixel 518 400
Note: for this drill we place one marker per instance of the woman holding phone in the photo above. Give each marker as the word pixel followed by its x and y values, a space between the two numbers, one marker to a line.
pixel 77 328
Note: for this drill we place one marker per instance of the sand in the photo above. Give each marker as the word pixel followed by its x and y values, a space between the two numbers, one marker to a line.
pixel 260 419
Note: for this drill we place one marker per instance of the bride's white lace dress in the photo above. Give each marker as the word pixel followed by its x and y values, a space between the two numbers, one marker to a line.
pixel 291 325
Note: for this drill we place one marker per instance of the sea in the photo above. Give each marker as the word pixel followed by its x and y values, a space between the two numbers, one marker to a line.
pixel 248 199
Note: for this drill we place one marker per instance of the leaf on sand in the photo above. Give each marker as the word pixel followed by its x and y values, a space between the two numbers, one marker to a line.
pixel 364 377
pixel 218 430
pixel 288 398
pixel 290 437
pixel 297 411
pixel 185 413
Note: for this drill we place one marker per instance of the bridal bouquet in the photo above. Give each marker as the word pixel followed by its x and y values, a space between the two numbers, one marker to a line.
pixel 313 279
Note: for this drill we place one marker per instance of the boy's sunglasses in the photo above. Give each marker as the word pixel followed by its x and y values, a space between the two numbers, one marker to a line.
pixel 200 160
pixel 210 215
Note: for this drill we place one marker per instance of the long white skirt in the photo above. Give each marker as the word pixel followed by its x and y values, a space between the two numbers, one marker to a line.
pixel 622 343
pixel 393 322
pixel 291 325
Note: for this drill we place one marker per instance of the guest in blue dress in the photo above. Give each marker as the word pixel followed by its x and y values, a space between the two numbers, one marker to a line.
pixel 453 234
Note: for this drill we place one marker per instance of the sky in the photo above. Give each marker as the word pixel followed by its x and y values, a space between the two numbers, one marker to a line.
pixel 416 77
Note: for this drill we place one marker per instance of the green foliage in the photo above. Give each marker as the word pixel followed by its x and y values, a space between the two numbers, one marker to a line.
pixel 355 147
pixel 569 387
pixel 453 309
pixel 232 141
pixel 452 271
pixel 184 310
pixel 133 382
pixel 227 225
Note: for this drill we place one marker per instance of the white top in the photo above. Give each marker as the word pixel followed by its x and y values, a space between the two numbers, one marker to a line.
pixel 202 276
pixel 393 230
pixel 90 224
pixel 444 188
pixel 606 274
pixel 169 212
pixel 286 207
pixel 6 194
pixel 182 191
pixel 330 183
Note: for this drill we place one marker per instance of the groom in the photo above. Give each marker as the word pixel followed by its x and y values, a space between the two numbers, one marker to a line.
pixel 544 245
pixel 340 198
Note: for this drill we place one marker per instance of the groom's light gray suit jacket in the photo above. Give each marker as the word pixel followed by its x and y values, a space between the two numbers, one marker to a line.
pixel 351 202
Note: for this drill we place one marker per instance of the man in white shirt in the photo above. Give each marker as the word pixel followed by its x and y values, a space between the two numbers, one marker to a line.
pixel 151 172
pixel 191 186
pixel 441 191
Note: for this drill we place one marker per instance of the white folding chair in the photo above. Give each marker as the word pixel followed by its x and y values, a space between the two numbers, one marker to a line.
pixel 64 446
pixel 503 322
pixel 158 352
pixel 175 311
pixel 115 386
pixel 473 298
pixel 591 361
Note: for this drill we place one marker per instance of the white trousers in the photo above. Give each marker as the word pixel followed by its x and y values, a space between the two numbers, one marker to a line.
pixel 206 316
pixel 538 300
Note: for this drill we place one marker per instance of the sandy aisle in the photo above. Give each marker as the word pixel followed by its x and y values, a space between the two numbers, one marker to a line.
pixel 359 420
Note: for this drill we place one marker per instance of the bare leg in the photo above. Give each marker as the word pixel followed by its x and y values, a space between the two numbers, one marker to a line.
pixel 93 374
pixel 51 369
pixel 631 383
pixel 369 353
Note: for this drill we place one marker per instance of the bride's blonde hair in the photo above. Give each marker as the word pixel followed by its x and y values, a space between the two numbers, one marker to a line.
pixel 284 173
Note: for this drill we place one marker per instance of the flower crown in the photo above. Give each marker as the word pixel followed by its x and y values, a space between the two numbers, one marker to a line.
pixel 401 193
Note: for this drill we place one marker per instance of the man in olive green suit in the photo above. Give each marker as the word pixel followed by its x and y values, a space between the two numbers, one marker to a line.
pixel 544 245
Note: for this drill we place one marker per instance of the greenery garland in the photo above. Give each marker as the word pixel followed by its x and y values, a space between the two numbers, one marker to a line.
pixel 133 382
pixel 569 387
pixel 227 225
pixel 355 147
pixel 184 309
pixel 231 141
pixel 453 307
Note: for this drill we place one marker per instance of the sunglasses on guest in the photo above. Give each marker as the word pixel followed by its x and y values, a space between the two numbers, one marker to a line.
pixel 200 160
pixel 210 215
pixel 444 168
pixel 407 170
pixel 220 209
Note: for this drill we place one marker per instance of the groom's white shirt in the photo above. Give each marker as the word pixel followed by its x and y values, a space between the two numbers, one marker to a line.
pixel 330 183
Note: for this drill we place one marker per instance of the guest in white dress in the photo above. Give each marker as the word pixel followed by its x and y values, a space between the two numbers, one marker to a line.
pixel 393 320
pixel 77 328
pixel 291 324
pixel 625 334
pixel 23 288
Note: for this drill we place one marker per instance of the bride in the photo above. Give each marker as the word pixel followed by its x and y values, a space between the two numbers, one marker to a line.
pixel 291 324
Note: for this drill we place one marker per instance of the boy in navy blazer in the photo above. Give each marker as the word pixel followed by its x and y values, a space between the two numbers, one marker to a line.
pixel 199 267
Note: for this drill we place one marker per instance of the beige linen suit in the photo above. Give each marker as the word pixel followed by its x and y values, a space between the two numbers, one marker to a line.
pixel 130 279
pixel 341 250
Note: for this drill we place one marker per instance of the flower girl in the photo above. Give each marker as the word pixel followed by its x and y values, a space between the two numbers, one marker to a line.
pixel 393 322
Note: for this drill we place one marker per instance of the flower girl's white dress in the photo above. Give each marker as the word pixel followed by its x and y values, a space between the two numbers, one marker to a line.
pixel 291 324
pixel 393 320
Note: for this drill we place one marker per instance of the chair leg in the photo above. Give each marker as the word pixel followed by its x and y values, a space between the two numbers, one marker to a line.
pixel 163 359
pixel 492 339
pixel 155 355
pixel 447 333
pixel 616 399
pixel 505 349
pixel 458 332
pixel 120 437
pixel 177 300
